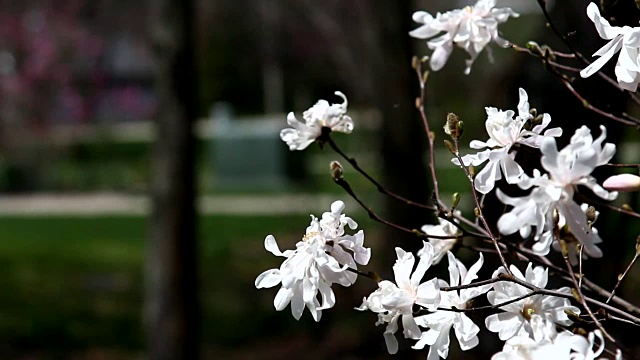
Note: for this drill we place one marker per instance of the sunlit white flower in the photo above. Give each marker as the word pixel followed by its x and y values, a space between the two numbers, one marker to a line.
pixel 585 348
pixel 440 322
pixel 567 168
pixel 624 39
pixel 505 131
pixel 525 348
pixel 564 345
pixel 471 29
pixel 444 228
pixel 319 260
pixel 534 316
pixel 395 302
pixel 318 116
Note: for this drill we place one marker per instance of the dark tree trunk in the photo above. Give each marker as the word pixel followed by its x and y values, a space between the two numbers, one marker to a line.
pixel 403 135
pixel 171 309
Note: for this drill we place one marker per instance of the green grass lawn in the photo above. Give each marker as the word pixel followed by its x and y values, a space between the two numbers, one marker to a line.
pixel 72 284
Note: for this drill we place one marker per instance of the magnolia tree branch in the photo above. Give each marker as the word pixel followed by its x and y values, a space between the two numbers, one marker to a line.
pixel 577 291
pixel 326 138
pixel 479 213
pixel 626 120
pixel 438 209
pixel 623 210
pixel 626 271
pixel 546 55
pixel 422 79
pixel 577 54
pixel 372 214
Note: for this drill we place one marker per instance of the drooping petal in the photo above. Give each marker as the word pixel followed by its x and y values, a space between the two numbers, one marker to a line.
pixel 271 245
pixel 282 299
pixel 269 278
pixel 607 52
pixel 485 180
pixel 512 171
pixel 411 329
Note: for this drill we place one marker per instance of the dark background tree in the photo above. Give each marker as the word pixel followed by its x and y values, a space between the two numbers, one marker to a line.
pixel 172 306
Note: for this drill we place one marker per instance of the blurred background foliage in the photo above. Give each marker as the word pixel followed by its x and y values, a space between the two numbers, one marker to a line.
pixel 76 105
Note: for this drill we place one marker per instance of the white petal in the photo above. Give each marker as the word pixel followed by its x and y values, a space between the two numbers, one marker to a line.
pixel 269 278
pixel 607 52
pixel 440 56
pixel 282 298
pixel 271 245
pixel 411 329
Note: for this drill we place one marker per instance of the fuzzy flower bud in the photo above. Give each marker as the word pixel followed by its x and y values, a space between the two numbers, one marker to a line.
pixel 336 170
pixel 622 182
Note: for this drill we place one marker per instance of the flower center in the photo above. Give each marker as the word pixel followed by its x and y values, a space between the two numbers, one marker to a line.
pixel 528 311
pixel 309 236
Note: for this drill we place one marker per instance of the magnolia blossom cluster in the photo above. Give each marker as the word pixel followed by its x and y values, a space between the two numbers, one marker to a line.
pixel 426 310
pixel 535 317
pixel 471 29
pixel 552 193
pixel 533 322
pixel 320 259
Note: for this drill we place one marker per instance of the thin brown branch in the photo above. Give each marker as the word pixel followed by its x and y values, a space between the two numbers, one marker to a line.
pixel 480 215
pixel 626 271
pixel 578 291
pixel 345 185
pixel 326 137
pixel 430 135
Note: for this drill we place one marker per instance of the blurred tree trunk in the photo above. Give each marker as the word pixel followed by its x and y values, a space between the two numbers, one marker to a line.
pixel 403 135
pixel 171 309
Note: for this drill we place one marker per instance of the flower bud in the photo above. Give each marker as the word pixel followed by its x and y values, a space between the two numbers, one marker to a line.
pixel 453 127
pixel 556 217
pixel 415 62
pixel 622 182
pixel 336 170
pixel 591 214
pixel 450 146
pixel 532 45
pixel 455 200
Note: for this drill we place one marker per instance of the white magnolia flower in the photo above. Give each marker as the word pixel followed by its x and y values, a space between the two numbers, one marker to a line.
pixel 471 28
pixel 395 302
pixel 567 168
pixel 445 228
pixel 318 116
pixel 319 260
pixel 624 39
pixel 565 345
pixel 505 131
pixel 526 348
pixel 534 316
pixel 584 348
pixel 441 321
